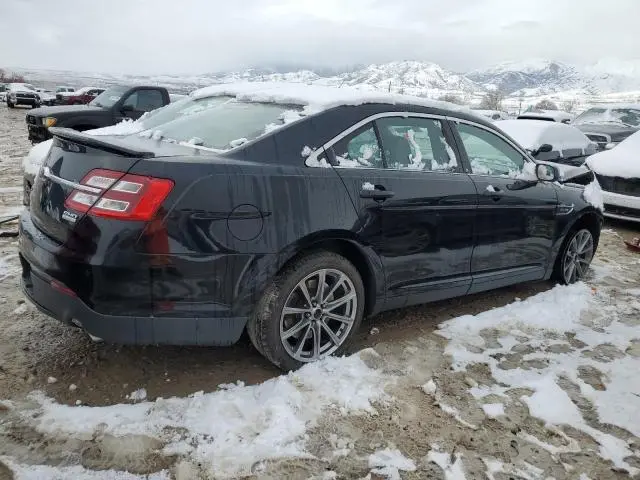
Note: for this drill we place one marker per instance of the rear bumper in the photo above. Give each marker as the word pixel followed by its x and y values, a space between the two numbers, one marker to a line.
pixel 38 133
pixel 622 207
pixel 39 259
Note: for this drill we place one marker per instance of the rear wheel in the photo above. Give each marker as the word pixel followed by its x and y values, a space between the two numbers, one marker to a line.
pixel 575 257
pixel 310 311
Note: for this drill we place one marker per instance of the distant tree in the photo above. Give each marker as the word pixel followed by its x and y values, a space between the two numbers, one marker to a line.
pixel 570 105
pixel 451 98
pixel 492 100
pixel 546 104
pixel 10 78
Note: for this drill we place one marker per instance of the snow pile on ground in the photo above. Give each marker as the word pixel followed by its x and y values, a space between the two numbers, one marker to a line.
pixel 231 430
pixel 389 463
pixel 621 161
pixel 567 338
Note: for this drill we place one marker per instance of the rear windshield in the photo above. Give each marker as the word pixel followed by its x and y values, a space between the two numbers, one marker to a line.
pixel 623 116
pixel 109 97
pixel 220 123
pixel 178 109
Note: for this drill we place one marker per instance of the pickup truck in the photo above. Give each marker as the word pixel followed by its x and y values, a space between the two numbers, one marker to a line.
pixel 115 104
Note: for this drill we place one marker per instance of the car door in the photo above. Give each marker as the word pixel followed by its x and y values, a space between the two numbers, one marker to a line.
pixel 516 215
pixel 405 180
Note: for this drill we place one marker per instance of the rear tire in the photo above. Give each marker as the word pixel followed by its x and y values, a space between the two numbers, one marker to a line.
pixel 318 323
pixel 575 256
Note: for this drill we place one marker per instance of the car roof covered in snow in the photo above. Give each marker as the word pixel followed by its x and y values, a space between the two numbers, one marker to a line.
pixel 613 106
pixel 621 161
pixel 317 98
pixel 531 134
pixel 557 115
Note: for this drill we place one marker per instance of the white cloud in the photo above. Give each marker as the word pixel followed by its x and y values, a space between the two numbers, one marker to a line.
pixel 146 36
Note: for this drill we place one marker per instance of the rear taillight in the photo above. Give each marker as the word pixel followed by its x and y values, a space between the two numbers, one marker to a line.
pixel 119 195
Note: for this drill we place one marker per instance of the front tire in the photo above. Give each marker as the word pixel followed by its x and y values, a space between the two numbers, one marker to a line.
pixel 575 257
pixel 311 310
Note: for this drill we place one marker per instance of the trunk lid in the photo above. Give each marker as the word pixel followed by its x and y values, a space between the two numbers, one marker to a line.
pixel 72 156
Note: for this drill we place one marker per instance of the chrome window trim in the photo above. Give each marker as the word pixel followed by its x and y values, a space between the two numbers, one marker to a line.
pixel 46 171
pixel 402 114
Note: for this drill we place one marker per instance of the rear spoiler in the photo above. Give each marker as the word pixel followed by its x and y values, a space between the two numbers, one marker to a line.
pixel 112 145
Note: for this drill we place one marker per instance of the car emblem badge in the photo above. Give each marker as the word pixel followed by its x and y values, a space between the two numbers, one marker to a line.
pixel 69 216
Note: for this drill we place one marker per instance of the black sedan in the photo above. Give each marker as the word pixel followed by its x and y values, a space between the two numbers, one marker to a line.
pixel 293 215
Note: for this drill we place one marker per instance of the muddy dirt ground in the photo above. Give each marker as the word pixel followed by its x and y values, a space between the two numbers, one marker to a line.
pixel 38 353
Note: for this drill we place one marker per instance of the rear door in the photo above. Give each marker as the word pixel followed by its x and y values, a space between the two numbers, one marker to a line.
pixel 516 216
pixel 417 204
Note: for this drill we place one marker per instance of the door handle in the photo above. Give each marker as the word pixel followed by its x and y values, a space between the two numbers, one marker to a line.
pixel 494 192
pixel 376 194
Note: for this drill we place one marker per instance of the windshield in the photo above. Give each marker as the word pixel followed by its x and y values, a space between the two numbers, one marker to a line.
pixel 224 124
pixel 109 97
pixel 623 116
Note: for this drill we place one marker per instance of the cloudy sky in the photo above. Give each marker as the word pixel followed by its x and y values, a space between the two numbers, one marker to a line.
pixel 195 36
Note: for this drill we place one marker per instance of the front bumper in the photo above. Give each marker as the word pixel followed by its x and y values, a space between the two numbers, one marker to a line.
pixel 41 258
pixel 38 133
pixel 621 207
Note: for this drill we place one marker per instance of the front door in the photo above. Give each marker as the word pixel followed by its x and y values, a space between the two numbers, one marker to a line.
pixel 516 213
pixel 404 178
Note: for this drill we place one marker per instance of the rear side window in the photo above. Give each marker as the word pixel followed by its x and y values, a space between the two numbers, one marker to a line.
pixel 416 144
pixel 359 149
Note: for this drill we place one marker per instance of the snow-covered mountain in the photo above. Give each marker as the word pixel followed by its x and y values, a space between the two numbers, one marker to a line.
pixel 543 77
pixel 539 76
pixel 407 76
pixel 532 78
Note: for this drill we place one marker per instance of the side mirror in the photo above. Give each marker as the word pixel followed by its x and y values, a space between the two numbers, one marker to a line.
pixel 547 173
pixel 609 146
pixel 544 148
pixel 126 108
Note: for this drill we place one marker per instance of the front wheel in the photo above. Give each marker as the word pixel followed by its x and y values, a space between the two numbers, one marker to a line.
pixel 310 311
pixel 575 257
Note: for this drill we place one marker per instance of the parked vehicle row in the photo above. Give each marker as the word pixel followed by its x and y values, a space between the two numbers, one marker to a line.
pixel 113 105
pixel 291 213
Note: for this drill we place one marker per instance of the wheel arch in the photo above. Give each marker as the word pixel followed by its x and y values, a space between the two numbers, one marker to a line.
pixel 589 218
pixel 346 244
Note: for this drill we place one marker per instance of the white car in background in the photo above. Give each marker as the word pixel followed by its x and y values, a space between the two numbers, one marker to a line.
pixel 618 172
pixel 547 115
pixel 561 145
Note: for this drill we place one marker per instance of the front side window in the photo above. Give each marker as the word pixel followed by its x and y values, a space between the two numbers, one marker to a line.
pixel 415 144
pixel 359 149
pixel 489 154
pixel 149 100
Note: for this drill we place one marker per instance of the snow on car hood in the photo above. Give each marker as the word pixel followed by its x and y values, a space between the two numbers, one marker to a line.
pixel 31 163
pixel 622 161
pixel 531 134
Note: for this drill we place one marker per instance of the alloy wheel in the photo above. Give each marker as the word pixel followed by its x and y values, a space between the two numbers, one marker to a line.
pixel 318 315
pixel 578 256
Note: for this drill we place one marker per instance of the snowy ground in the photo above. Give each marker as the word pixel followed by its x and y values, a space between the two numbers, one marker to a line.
pixel 544 385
